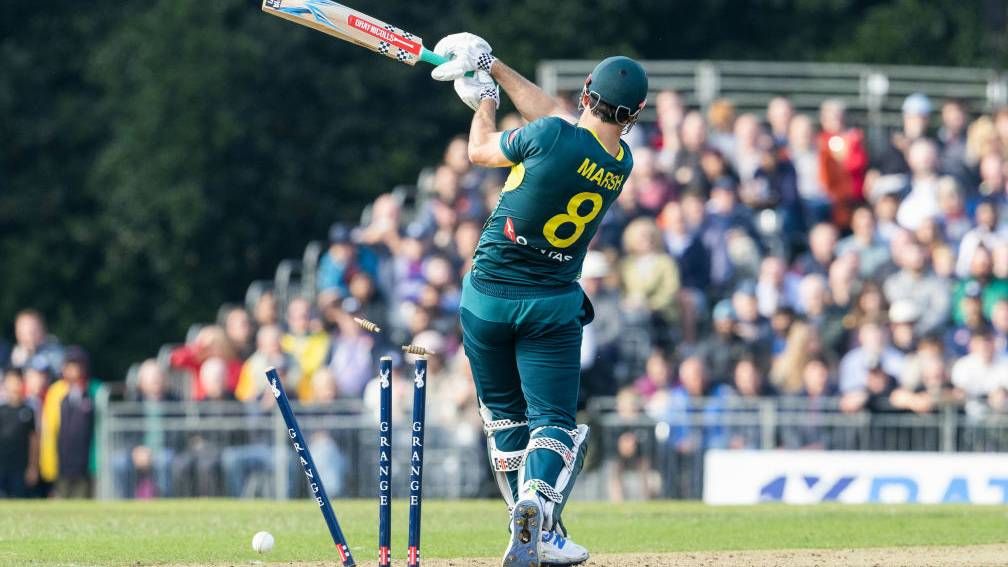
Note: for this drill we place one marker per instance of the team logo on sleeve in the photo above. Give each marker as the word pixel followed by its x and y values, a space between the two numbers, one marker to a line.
pixel 509 230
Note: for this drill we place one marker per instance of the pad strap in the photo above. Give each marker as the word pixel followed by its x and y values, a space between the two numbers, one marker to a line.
pixel 539 485
pixel 506 461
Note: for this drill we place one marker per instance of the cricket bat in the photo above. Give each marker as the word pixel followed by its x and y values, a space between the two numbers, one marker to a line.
pixel 356 27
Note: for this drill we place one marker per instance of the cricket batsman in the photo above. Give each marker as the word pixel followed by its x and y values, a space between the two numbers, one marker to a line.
pixel 522 309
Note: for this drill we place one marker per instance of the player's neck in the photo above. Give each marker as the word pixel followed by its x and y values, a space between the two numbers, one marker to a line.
pixel 608 134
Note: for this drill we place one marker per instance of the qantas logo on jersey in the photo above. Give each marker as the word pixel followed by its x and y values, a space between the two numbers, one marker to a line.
pixel 513 236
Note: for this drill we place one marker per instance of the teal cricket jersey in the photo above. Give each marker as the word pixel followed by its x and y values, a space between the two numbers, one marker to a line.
pixel 560 187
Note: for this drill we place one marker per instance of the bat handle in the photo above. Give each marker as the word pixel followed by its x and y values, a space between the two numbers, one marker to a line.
pixel 428 56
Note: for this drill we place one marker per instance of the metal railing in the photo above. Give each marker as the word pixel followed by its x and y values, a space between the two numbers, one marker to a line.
pixel 239 450
pixel 872 92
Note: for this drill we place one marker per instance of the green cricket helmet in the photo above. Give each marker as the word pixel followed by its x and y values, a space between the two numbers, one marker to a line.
pixel 621 83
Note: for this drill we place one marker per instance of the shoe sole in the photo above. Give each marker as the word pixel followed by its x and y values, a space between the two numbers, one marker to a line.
pixel 523 550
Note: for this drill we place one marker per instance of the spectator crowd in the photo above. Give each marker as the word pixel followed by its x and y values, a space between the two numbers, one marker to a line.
pixel 748 256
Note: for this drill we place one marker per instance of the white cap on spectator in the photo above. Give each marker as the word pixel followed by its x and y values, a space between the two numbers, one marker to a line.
pixel 917 103
pixel 430 340
pixel 903 311
pixel 595 265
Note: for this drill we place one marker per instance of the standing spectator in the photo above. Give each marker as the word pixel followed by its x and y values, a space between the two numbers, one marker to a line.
pixel 695 425
pixel 34 346
pixel 779 115
pixel 917 284
pixel 210 342
pixel 952 139
pixel 143 467
pixel 921 203
pixel 18 439
pixel 68 415
pixel 728 228
pixel 872 252
pixel 238 328
pixel 843 160
pixel 600 342
pixel 669 111
pixel 916 113
pixel 721 119
pixel 310 348
pixel 343 260
pixel 268 354
pixel 801 145
pixel 684 244
pixel 631 475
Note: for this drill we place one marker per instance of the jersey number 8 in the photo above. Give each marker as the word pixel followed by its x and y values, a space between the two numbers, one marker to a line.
pixel 572 217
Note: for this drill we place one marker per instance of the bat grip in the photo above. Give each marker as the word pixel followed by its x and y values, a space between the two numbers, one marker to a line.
pixel 428 56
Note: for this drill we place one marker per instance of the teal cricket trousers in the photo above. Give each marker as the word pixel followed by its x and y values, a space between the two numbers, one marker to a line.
pixel 524 348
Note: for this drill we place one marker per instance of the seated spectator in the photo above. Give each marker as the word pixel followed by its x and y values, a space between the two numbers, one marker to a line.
pixel 265 311
pixel 727 229
pixel 955 222
pixel 722 349
pixel 721 119
pixel 780 325
pixel 873 394
pixel 749 386
pixel 750 326
pixel 268 354
pixel 343 260
pixel 992 180
pixel 982 371
pixel 870 306
pixel 650 278
pixel 981 282
pixel 653 190
pixel 68 416
pixel 843 161
pixel 934 390
pixel 142 467
pixel 922 201
pixel 33 345
pixel 789 366
pixel 814 302
pixel 686 248
pixel 210 342
pixel 775 288
pixel 917 284
pixel 695 409
pixel 903 318
pixel 18 439
pixel 873 350
pixel 366 300
pixel 872 252
pixel 970 309
pixel 352 358
pixel 238 328
pixel 601 339
pixel 631 475
pixel 843 281
pixel 999 325
pixel 815 401
pixel 822 247
pixel 310 348
pixel 654 386
pixel 984 235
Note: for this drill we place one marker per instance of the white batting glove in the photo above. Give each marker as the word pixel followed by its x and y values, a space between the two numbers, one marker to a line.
pixel 467 52
pixel 472 90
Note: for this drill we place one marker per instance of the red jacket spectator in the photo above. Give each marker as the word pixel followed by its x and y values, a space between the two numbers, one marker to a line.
pixel 843 162
pixel 211 341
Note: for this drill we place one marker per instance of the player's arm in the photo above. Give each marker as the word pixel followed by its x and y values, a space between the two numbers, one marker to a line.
pixel 484 139
pixel 531 101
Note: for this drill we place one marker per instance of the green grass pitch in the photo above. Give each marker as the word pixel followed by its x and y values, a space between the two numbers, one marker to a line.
pixel 219 532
